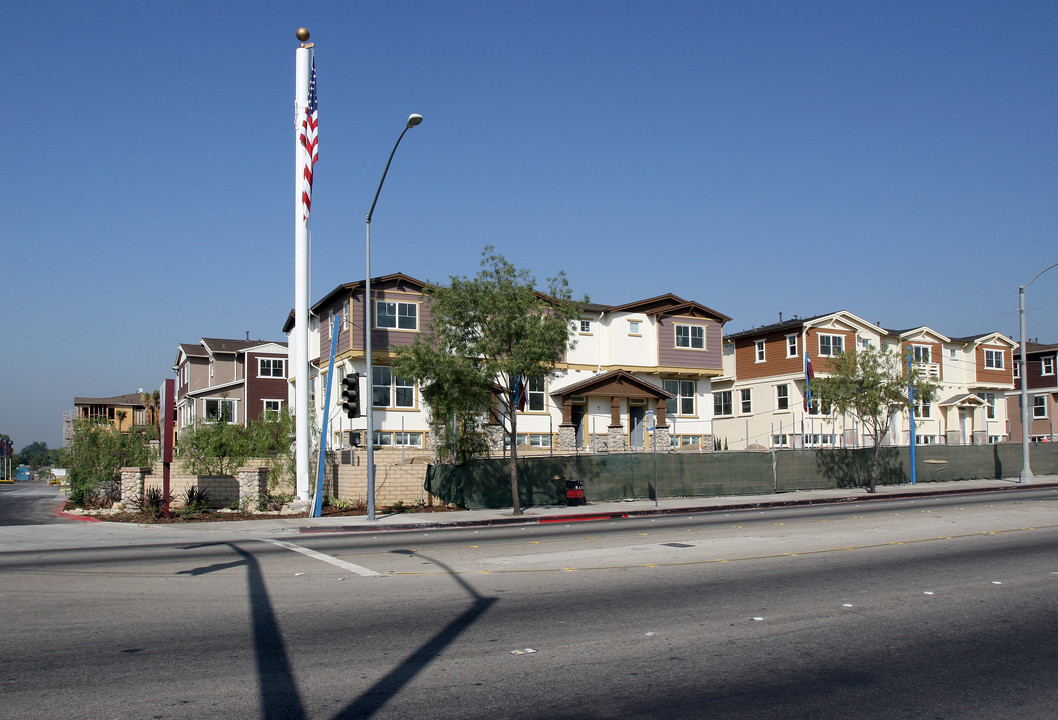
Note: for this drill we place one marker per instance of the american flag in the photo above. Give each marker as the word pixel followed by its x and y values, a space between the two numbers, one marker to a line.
pixel 308 141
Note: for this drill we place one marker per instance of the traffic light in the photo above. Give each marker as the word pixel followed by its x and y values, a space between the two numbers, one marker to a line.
pixel 351 395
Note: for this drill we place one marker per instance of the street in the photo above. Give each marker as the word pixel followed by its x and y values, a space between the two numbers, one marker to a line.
pixel 917 608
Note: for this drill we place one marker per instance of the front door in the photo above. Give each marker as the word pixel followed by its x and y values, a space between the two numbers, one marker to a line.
pixel 576 416
pixel 635 426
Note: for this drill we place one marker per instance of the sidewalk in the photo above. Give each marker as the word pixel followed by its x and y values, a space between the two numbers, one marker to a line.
pixel 604 510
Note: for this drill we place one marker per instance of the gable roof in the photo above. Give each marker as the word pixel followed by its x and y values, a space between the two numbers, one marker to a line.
pixel 665 305
pixel 130 399
pixel 616 383
pixel 345 289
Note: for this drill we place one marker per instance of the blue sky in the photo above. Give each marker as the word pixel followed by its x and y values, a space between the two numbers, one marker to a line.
pixel 895 159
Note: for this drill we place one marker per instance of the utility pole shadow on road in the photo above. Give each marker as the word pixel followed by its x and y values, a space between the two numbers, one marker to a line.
pixel 372 699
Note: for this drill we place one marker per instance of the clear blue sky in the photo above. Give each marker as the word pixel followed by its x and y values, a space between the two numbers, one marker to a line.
pixel 895 159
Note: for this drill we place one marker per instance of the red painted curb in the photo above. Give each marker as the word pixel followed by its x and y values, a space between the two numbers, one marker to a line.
pixel 61 512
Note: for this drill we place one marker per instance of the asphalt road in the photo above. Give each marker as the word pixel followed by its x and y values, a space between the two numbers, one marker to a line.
pixel 29 503
pixel 927 608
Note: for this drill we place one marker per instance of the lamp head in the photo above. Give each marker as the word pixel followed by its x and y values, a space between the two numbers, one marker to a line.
pixel 414 119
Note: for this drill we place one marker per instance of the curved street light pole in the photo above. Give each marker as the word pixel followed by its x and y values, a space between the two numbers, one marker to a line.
pixel 369 439
pixel 1026 468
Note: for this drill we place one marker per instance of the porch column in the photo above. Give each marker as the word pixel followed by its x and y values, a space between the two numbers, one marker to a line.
pixel 615 412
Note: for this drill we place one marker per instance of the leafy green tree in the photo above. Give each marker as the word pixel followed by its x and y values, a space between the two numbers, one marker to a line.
pixel 37 455
pixel 214 447
pixel 272 441
pixel 96 454
pixel 488 335
pixel 871 384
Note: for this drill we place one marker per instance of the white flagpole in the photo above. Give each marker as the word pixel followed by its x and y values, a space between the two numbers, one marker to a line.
pixel 302 444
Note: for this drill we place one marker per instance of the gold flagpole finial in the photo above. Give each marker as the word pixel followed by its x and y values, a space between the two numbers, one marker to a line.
pixel 303 34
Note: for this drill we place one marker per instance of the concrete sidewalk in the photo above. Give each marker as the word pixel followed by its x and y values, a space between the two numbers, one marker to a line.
pixel 601 510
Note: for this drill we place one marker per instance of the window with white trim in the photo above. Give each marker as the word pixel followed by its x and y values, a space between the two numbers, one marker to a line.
pixel 683 402
pixel 536 394
pixel 1017 369
pixel 1047 365
pixel 396 315
pixel 722 403
pixel 389 390
pixel 220 409
pixel 922 408
pixel 540 440
pixel 759 349
pixel 791 346
pixel 819 440
pixel 990 400
pixel 271 367
pixel 780 441
pixel 690 336
pixel 831 345
pixel 384 438
pixel 273 406
pixel 745 401
pixel 1039 406
pixel 921 354
pixel 782 397
pixel 585 326
pixel 994 359
pixel 633 327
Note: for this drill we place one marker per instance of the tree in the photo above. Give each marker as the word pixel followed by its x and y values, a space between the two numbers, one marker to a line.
pixel 96 454
pixel 37 455
pixel 871 384
pixel 488 336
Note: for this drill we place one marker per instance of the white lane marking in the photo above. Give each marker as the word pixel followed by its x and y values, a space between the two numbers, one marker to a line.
pixel 351 567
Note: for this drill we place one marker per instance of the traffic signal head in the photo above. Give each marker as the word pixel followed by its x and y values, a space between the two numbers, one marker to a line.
pixel 351 395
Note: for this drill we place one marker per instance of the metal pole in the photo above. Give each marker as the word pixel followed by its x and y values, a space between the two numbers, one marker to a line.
pixel 302 430
pixel 413 120
pixel 1026 467
pixel 911 409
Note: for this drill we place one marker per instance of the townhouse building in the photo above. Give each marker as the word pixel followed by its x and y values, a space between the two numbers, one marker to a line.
pixel 637 372
pixel 237 380
pixel 1041 385
pixel 125 412
pixel 760 400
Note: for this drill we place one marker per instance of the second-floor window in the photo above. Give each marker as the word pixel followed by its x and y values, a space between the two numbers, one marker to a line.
pixel 536 394
pixel 271 367
pixel 830 345
pixel 398 315
pixel 782 397
pixel 690 336
pixel 585 326
pixel 388 390
pixel 722 403
pixel 222 410
pixel 1047 365
pixel 920 354
pixel 746 401
pixel 922 408
pixel 994 359
pixel 791 346
pixel 1039 406
pixel 759 349
pixel 990 399
pixel 683 403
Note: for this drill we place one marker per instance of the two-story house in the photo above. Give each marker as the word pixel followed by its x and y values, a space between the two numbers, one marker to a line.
pixel 1041 384
pixel 234 380
pixel 125 412
pixel 760 401
pixel 650 359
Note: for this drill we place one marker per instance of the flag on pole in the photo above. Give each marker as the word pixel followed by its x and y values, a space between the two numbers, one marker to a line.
pixel 808 381
pixel 308 142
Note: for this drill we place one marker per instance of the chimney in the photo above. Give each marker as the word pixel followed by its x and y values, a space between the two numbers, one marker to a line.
pixel 780 317
pixel 247 334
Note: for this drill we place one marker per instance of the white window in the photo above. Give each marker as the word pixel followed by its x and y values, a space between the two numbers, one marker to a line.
pixel 951 353
pixel 683 403
pixel 690 336
pixel 994 359
pixel 1039 406
pixel 633 327
pixel 388 390
pixel 864 343
pixel 678 441
pixel 536 394
pixel 398 315
pixel 223 410
pixel 1047 365
pixel 831 345
pixel 759 345
pixel 273 406
pixel 782 397
pixel 585 326
pixel 722 403
pixel 922 408
pixel 791 346
pixel 1017 368
pixel 534 440
pixel 780 440
pixel 990 399
pixel 925 439
pixel 745 401
pixel 398 439
pixel 921 354
pixel 819 440
pixel 271 367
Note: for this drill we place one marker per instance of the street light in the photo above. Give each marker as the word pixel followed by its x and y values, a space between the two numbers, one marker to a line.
pixel 413 120
pixel 1026 468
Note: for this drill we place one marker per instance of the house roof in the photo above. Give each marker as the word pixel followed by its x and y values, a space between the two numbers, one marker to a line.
pixel 1032 347
pixel 616 383
pixel 131 399
pixel 795 322
pixel 962 400
pixel 664 305
pixel 348 288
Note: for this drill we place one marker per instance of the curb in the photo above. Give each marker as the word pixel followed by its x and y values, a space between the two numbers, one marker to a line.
pixel 628 514
pixel 61 512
